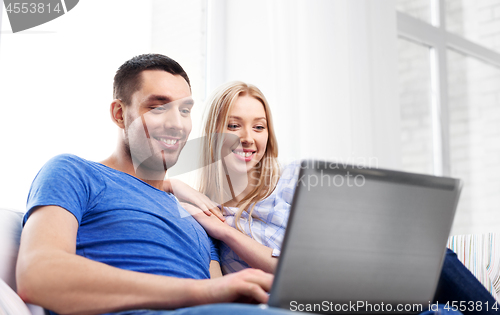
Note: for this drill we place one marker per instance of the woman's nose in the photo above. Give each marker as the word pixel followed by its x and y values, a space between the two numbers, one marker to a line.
pixel 246 136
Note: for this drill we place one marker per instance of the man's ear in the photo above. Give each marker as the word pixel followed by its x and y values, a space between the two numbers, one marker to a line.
pixel 117 111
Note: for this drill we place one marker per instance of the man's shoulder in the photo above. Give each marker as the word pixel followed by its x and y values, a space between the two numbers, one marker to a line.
pixel 72 166
pixel 69 182
pixel 68 158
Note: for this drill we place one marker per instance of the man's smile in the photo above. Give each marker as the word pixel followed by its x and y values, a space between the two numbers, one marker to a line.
pixel 168 142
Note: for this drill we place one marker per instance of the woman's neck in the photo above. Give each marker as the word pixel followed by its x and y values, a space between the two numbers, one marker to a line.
pixel 245 184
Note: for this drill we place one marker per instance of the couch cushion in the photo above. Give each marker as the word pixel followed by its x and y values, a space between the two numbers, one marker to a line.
pixel 10 302
pixel 480 253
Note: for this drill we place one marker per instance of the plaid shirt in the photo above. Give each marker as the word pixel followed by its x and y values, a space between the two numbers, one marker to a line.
pixel 272 212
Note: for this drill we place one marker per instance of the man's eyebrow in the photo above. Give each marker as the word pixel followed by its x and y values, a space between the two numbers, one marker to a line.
pixel 161 98
pixel 188 101
pixel 165 99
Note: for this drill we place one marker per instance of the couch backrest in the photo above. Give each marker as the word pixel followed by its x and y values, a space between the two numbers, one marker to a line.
pixel 10 234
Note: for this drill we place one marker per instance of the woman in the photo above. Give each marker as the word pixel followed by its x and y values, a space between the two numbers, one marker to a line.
pixel 255 198
pixel 240 113
pixel 252 191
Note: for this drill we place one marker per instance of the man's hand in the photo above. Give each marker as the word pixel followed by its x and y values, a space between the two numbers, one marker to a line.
pixel 186 193
pixel 247 286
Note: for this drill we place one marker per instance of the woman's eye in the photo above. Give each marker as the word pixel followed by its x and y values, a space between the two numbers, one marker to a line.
pixel 232 126
pixel 260 127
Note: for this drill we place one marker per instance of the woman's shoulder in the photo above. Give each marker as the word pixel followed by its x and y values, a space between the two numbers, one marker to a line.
pixel 289 174
pixel 290 171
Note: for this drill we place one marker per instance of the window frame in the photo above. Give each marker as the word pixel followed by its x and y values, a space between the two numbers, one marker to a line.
pixel 435 36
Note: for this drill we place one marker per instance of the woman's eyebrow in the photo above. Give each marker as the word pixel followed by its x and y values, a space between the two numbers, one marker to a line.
pixel 239 118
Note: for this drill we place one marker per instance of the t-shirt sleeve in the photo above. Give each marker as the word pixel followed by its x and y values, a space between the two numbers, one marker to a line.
pixel 214 249
pixel 68 182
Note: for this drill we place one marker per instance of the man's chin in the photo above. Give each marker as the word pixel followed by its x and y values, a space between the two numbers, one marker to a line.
pixel 154 168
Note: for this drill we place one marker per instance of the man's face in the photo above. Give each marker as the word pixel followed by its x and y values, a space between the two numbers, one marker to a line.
pixel 158 121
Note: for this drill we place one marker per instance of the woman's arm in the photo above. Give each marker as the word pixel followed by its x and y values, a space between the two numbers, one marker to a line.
pixel 215 271
pixel 186 193
pixel 252 252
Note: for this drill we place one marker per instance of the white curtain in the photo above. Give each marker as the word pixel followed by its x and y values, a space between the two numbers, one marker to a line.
pixel 327 67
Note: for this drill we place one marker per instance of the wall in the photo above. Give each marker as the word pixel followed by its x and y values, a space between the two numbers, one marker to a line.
pixel 56 87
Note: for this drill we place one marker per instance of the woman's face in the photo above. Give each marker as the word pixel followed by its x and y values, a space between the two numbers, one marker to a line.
pixel 247 120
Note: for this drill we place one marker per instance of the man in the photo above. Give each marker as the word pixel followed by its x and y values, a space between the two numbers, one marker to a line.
pixel 105 237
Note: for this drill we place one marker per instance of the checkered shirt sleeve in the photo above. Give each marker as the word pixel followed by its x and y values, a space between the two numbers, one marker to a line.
pixel 272 214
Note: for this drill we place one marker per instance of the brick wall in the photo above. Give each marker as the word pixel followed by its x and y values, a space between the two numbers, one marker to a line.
pixel 474 113
pixel 420 9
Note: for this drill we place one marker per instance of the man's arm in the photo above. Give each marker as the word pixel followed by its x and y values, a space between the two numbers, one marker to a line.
pixel 50 274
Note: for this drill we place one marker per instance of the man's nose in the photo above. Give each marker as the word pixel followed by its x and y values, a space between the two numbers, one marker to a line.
pixel 173 120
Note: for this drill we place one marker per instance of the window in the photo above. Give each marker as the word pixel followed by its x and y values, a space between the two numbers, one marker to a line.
pixel 416 107
pixel 460 80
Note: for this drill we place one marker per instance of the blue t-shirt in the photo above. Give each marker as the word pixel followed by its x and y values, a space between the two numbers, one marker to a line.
pixel 123 221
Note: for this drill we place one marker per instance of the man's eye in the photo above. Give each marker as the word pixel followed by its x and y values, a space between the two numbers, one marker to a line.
pixel 158 109
pixel 186 111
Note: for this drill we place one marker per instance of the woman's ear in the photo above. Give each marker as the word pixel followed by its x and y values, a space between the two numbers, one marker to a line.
pixel 117 111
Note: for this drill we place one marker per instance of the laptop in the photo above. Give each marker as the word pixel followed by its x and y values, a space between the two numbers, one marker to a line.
pixel 364 240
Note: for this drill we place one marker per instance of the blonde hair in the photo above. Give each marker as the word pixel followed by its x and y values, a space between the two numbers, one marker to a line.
pixel 212 177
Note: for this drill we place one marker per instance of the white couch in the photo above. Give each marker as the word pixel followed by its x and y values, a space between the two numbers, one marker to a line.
pixel 10 233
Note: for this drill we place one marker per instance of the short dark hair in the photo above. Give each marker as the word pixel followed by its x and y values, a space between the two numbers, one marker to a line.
pixel 128 80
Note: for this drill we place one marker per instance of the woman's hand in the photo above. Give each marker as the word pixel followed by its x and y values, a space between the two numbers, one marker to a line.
pixel 214 227
pixel 186 193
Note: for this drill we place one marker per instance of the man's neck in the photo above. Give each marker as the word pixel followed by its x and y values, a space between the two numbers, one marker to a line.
pixel 123 163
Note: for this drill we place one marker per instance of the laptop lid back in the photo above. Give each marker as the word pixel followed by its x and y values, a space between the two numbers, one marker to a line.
pixel 360 235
